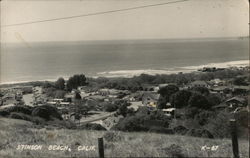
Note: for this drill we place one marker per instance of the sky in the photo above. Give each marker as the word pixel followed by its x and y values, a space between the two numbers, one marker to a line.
pixel 189 19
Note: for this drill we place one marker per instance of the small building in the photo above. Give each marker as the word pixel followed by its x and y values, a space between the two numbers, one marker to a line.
pixel 150 99
pixel 199 83
pixel 219 89
pixel 236 102
pixel 69 97
pixel 169 111
pixel 135 105
pixel 217 82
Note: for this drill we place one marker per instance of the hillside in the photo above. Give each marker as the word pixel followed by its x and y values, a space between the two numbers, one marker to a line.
pixel 120 144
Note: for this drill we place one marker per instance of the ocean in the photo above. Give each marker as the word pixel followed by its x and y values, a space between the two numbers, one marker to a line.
pixel 50 60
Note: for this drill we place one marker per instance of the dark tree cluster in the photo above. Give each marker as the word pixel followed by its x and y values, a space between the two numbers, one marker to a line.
pixel 75 81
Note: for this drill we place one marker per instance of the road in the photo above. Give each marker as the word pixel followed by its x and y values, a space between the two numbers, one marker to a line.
pixel 94 118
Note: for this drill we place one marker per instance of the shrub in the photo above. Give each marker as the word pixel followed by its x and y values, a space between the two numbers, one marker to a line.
pixel 200 133
pixel 161 130
pixel 132 123
pixel 4 113
pixel 60 83
pixel 110 107
pixel 60 94
pixel 203 116
pixel 180 99
pixel 38 120
pixel 112 136
pixel 180 130
pixel 143 120
pixel 47 112
pixel 214 99
pixel 199 101
pixel 92 126
pixel 20 109
pixel 202 90
pixel 20 116
pixel 191 112
pixel 219 125
pixel 242 118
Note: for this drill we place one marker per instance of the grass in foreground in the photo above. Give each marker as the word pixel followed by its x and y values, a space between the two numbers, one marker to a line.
pixel 136 144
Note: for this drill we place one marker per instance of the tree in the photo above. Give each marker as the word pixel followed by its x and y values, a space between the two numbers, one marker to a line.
pixel 75 81
pixel 180 99
pixel 60 83
pixel 81 108
pixel 202 90
pixel 60 94
pixel 123 108
pixel 78 96
pixel 165 93
pixel 199 101
pixel 168 90
pixel 240 81
pixel 214 99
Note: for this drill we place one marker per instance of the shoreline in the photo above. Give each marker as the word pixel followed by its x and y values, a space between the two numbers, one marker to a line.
pixel 133 73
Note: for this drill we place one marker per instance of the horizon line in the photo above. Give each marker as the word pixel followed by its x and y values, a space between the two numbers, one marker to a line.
pixel 135 39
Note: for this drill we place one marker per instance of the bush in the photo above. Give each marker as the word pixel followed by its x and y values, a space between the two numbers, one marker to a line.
pixel 219 125
pixel 47 112
pixel 4 113
pixel 202 90
pixel 199 101
pixel 180 130
pixel 132 123
pixel 92 126
pixel 214 99
pixel 161 130
pixel 200 133
pixel 60 94
pixel 110 107
pixel 20 109
pixel 60 83
pixel 143 120
pixel 203 116
pixel 38 120
pixel 112 136
pixel 242 118
pixel 180 99
pixel 20 116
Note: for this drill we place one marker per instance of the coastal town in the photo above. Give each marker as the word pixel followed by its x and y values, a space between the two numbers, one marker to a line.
pixel 85 104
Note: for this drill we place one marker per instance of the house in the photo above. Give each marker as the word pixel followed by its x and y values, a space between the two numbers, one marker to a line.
pixel 69 97
pixel 240 89
pixel 81 88
pixel 96 97
pixel 236 102
pixel 150 99
pixel 219 89
pixel 9 99
pixel 199 83
pixel 135 105
pixel 217 82
pixel 106 91
pixel 169 111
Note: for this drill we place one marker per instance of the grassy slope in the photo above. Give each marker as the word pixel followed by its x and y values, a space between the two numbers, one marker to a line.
pixel 14 132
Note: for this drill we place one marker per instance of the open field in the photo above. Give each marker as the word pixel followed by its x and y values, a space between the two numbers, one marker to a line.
pixel 135 144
